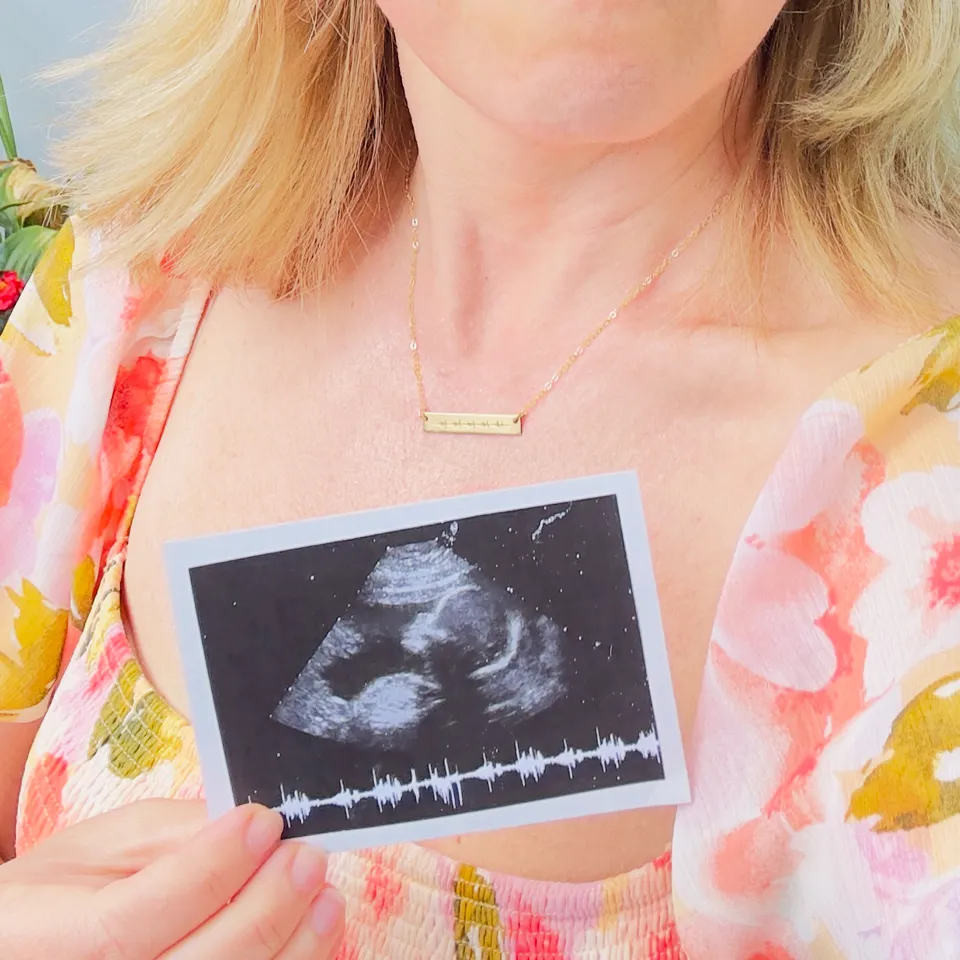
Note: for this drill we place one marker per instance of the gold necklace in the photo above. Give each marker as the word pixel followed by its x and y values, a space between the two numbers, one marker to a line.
pixel 512 423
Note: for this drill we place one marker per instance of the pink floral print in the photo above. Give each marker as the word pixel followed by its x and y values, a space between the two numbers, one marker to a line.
pixel 825 763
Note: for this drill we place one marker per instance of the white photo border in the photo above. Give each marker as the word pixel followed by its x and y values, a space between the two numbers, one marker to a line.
pixel 183 555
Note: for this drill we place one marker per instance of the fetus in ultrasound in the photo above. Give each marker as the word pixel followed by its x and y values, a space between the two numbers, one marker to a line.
pixel 428 640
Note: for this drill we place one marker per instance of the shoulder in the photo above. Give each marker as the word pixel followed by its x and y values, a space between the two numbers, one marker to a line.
pixel 941 257
pixel 88 360
pixel 836 675
pixel 80 331
pixel 907 401
pixel 57 372
pixel 82 321
pixel 78 295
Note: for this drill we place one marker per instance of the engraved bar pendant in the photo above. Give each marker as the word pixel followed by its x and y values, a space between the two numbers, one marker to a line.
pixel 489 423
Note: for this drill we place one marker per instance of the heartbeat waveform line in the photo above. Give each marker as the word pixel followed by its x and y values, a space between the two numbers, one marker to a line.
pixel 447 786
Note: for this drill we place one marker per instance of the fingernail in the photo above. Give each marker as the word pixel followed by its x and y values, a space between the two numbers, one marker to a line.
pixel 327 913
pixel 264 831
pixel 308 870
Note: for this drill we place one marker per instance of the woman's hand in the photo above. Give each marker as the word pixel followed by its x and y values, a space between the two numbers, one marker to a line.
pixel 156 880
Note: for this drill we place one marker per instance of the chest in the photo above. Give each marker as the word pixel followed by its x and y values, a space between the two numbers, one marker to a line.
pixel 268 430
pixel 305 423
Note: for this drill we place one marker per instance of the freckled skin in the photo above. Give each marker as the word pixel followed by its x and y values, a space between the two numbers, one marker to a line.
pixel 491 83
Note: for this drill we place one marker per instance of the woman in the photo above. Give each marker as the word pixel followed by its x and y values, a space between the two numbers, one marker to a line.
pixel 796 443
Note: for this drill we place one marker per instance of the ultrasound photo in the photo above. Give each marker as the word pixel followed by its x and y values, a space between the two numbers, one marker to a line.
pixel 464 664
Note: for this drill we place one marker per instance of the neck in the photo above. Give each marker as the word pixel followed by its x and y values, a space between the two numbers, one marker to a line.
pixel 514 227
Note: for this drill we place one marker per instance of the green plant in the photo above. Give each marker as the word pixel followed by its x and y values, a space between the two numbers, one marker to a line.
pixel 6 125
pixel 31 213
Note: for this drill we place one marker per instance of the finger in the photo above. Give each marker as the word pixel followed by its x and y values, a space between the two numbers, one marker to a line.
pixel 261 920
pixel 115 844
pixel 320 932
pixel 144 914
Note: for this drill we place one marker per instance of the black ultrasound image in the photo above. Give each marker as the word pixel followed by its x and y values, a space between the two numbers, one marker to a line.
pixel 459 667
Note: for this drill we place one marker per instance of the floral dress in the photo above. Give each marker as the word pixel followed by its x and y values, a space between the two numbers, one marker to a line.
pixel 825 761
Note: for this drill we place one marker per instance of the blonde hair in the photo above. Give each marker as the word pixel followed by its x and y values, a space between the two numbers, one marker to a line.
pixel 250 137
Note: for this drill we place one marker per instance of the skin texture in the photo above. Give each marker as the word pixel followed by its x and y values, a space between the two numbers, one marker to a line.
pixel 563 152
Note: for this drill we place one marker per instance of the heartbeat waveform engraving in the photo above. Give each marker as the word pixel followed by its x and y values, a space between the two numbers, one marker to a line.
pixel 446 786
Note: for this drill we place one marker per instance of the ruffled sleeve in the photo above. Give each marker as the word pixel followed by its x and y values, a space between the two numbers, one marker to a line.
pixel 89 364
pixel 58 369
pixel 825 768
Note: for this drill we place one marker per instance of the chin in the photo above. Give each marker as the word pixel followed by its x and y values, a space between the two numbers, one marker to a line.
pixel 588 107
pixel 574 102
pixel 578 70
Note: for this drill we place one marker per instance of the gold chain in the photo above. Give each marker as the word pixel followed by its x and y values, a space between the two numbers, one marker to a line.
pixel 587 341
